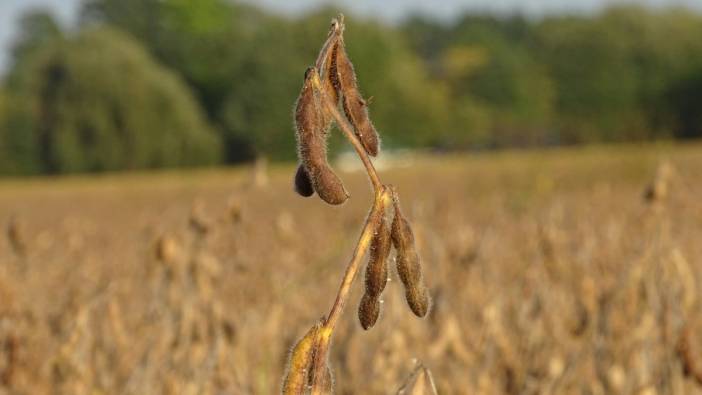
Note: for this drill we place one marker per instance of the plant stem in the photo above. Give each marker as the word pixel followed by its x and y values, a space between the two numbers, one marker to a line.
pixel 347 129
pixel 382 197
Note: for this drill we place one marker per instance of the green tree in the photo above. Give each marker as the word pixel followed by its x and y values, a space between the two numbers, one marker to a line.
pixel 99 102
pixel 18 152
pixel 666 55
pixel 246 67
pixel 683 106
pixel 37 29
pixel 500 94
pixel 598 87
pixel 409 107
pixel 207 42
pixel 499 73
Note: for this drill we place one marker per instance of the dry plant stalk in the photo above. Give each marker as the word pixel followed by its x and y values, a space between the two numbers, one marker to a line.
pixel 329 83
pixel 419 382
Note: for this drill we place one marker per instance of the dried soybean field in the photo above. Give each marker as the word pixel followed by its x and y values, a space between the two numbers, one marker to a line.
pixel 566 271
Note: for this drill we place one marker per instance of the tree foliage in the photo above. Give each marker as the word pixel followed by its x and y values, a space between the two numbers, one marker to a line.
pixel 99 102
pixel 109 94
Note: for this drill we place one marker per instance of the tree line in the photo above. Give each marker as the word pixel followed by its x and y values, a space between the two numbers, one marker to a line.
pixel 166 83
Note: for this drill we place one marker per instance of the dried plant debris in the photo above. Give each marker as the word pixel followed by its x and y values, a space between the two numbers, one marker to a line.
pixel 409 267
pixel 419 382
pixel 312 130
pixel 376 272
pixel 16 236
pixel 658 190
pixel 690 350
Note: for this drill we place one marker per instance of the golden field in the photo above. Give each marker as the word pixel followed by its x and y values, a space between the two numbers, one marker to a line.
pixel 570 271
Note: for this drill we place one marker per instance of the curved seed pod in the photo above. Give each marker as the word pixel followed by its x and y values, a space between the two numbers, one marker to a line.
pixel 376 274
pixel 311 128
pixel 368 311
pixel 355 108
pixel 377 269
pixel 418 299
pixel 303 184
pixel 409 268
pixel 300 363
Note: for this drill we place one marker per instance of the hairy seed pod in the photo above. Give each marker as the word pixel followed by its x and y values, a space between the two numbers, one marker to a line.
pixel 376 273
pixel 303 184
pixel 300 363
pixel 377 269
pixel 409 268
pixel 418 299
pixel 368 311
pixel 355 107
pixel 311 129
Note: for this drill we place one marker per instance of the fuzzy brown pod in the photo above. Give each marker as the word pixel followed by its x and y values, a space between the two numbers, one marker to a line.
pixel 312 125
pixel 355 107
pixel 377 269
pixel 409 267
pixel 368 311
pixel 300 363
pixel 376 273
pixel 303 184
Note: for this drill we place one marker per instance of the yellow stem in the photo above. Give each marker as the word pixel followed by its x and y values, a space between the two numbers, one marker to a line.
pixel 381 199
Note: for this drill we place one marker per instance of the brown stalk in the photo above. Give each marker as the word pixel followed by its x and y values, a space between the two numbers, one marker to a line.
pixel 347 129
pixel 382 197
pixel 318 78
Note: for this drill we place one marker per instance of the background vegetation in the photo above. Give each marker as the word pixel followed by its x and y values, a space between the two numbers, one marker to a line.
pixel 556 271
pixel 150 83
pixel 550 274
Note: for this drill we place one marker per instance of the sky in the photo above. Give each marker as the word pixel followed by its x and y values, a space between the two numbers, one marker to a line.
pixel 391 10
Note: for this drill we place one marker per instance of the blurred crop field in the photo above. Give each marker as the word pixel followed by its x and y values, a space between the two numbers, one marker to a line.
pixel 570 271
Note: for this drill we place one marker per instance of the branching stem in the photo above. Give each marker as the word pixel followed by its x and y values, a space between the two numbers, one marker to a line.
pixel 381 199
pixel 383 195
pixel 347 130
